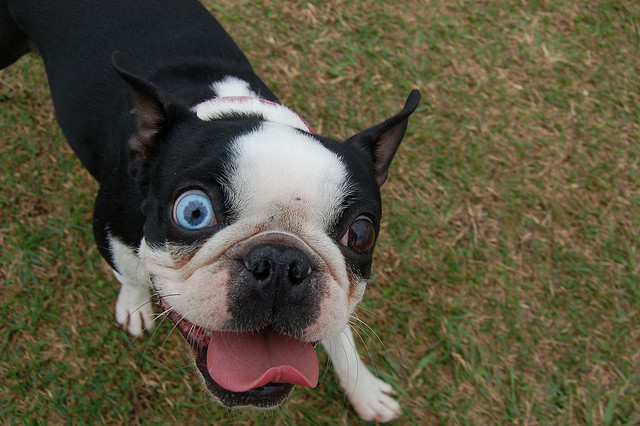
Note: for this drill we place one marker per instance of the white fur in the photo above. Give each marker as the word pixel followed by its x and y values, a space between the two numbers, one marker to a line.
pixel 233 96
pixel 231 86
pixel 276 113
pixel 369 395
pixel 199 295
pixel 277 172
pixel 134 310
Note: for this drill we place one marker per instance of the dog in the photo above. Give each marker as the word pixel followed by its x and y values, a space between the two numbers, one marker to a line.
pixel 254 234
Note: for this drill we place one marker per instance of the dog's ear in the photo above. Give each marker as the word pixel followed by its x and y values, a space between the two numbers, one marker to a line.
pixel 382 141
pixel 153 114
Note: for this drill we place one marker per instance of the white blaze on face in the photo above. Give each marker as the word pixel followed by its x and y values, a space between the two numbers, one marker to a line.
pixel 283 180
pixel 281 174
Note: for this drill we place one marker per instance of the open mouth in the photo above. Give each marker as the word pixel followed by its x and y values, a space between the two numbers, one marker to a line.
pixel 249 368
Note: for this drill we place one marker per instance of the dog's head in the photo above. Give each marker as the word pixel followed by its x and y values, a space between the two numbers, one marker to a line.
pixel 258 234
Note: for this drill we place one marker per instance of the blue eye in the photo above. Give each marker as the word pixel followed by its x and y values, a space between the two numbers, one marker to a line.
pixel 193 210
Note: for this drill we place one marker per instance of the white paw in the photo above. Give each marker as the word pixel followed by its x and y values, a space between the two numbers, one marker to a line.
pixel 372 401
pixel 134 310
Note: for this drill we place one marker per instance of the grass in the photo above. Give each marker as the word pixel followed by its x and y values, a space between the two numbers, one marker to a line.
pixel 506 285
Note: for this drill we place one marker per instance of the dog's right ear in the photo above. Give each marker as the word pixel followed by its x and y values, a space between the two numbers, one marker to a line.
pixel 153 114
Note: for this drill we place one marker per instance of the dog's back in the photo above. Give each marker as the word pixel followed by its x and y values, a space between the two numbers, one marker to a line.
pixel 176 45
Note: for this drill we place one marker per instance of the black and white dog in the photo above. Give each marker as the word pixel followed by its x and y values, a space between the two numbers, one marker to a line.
pixel 255 234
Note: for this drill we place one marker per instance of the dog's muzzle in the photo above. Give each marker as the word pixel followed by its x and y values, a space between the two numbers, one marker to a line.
pixel 258 359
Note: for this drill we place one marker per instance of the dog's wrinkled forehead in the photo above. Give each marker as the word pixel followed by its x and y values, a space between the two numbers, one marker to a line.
pixel 282 176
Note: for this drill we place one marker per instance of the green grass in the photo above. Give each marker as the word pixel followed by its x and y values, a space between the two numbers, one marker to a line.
pixel 506 282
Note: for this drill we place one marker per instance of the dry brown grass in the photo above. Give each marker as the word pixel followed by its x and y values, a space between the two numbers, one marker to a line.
pixel 506 286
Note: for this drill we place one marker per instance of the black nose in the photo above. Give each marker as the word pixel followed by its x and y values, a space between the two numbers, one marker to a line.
pixel 276 265
pixel 277 286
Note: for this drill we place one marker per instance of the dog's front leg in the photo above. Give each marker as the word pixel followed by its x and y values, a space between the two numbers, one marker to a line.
pixel 369 395
pixel 134 310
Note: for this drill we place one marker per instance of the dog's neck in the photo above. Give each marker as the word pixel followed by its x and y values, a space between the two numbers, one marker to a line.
pixel 224 107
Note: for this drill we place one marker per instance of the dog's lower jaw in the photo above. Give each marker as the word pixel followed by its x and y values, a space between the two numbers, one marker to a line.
pixel 370 397
pixel 267 396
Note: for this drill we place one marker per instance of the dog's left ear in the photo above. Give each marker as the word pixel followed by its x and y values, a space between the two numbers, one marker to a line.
pixel 382 141
pixel 154 112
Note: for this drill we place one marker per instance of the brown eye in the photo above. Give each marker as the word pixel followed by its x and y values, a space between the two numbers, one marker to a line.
pixel 361 235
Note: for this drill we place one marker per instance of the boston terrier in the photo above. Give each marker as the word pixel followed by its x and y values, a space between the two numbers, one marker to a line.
pixel 254 234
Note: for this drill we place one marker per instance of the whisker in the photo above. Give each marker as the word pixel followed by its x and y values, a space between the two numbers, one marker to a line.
pixel 378 340
pixel 165 315
pixel 193 326
pixel 165 296
pixel 368 311
pixel 164 342
pixel 357 330
pixel 135 311
pixel 326 369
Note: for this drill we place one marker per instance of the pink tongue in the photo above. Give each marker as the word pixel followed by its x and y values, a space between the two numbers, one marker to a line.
pixel 240 361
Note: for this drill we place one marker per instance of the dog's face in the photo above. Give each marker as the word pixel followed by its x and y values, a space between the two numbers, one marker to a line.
pixel 258 236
